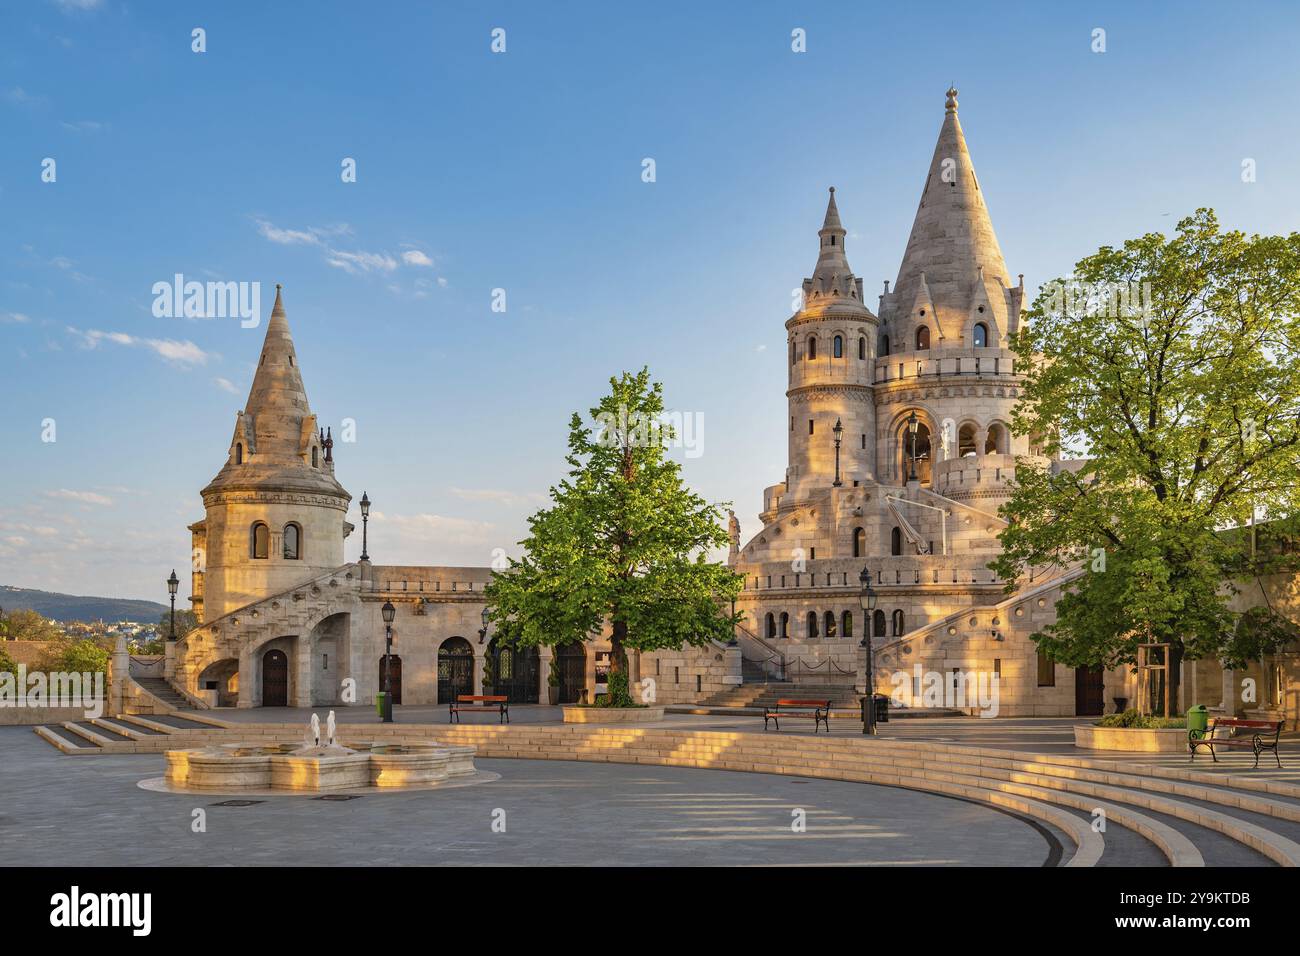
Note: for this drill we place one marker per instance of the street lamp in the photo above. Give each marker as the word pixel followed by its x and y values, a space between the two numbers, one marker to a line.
pixel 172 583
pixel 482 633
pixel 839 433
pixel 912 426
pixel 365 521
pixel 867 598
pixel 389 612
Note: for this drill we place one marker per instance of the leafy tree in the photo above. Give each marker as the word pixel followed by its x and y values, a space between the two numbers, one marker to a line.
pixel 185 622
pixel 1177 371
pixel 7 663
pixel 25 625
pixel 76 655
pixel 623 541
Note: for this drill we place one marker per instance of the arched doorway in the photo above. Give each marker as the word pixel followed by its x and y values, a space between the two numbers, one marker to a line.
pixel 514 672
pixel 275 679
pixel 394 677
pixel 571 659
pixel 918 449
pixel 455 669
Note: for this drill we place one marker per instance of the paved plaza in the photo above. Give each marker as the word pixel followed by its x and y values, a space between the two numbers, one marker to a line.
pixel 90 812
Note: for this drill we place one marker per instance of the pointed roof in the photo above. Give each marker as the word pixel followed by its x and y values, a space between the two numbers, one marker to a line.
pixel 277 401
pixel 276 426
pixel 832 275
pixel 952 236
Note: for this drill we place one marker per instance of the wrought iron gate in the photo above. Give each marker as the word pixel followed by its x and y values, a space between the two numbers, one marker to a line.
pixel 515 672
pixel 455 669
pixel 572 661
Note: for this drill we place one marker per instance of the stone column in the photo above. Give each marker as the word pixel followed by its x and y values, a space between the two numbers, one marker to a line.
pixel 119 675
pixel 479 651
pixel 591 673
pixel 247 681
pixel 302 672
pixel 169 659
pixel 1231 700
pixel 545 655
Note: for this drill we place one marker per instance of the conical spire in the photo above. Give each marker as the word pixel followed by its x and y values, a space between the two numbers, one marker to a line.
pixel 277 402
pixel 952 236
pixel 832 276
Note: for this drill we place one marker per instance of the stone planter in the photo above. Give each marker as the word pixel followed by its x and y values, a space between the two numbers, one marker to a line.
pixel 613 715
pixel 1131 739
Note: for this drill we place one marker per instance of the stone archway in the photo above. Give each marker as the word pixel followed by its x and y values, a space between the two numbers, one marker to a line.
pixel 455 669
pixel 221 677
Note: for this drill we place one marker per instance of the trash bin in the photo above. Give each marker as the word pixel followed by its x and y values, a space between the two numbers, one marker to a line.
pixel 379 703
pixel 1198 718
pixel 882 708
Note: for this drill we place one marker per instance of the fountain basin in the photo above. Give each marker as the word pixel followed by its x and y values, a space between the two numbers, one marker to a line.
pixel 235 767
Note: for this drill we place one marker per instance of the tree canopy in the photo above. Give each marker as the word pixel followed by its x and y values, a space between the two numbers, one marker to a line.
pixel 1173 364
pixel 624 541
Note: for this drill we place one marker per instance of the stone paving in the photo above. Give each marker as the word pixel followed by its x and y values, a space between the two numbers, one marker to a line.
pixel 64 810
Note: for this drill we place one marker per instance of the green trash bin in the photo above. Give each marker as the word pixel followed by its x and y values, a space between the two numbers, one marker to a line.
pixel 379 703
pixel 1198 719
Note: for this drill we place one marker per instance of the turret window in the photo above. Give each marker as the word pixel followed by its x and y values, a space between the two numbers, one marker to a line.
pixel 292 542
pixel 859 542
pixel 847 630
pixel 812 624
pixel 981 337
pixel 898 624
pixel 315 463
pixel 260 541
pixel 878 623
pixel 862 348
pixel 883 347
pixel 785 624
pixel 771 626
pixel 923 338
pixel 239 453
pixel 812 347
pixel 896 541
pixel 830 625
pixel 839 346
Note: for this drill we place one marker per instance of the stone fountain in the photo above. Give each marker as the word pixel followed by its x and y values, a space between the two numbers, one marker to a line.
pixel 315 766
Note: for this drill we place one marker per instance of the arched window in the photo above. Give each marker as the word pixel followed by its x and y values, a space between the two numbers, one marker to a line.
pixel 315 462
pixel 896 541
pixel 859 542
pixel 830 624
pixel 965 441
pixel 838 346
pixel 812 624
pixel 981 335
pixel 862 348
pixel 793 349
pixel 812 347
pixel 882 345
pixel 898 623
pixel 771 626
pixel 878 623
pixel 847 629
pixel 996 444
pixel 239 453
pixel 260 540
pixel 292 542
pixel 785 624
pixel 922 338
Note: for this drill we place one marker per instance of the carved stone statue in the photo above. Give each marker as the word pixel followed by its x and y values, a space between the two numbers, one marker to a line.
pixel 733 531
pixel 946 438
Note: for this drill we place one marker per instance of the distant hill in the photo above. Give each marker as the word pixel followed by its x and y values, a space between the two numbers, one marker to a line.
pixel 71 607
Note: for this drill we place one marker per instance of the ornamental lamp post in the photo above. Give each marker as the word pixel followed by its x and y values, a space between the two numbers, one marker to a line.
pixel 365 521
pixel 482 632
pixel 913 425
pixel 867 598
pixel 172 583
pixel 839 434
pixel 388 612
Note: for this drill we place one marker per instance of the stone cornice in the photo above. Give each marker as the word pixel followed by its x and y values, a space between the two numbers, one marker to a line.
pixel 273 496
pixel 862 393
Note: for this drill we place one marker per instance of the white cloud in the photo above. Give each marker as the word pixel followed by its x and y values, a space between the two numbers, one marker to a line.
pixel 226 385
pixel 14 317
pixel 85 497
pixel 79 4
pixel 358 262
pixel 85 126
pixel 179 353
pixel 414 257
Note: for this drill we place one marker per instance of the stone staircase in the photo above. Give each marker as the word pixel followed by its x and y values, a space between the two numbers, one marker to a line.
pixel 158 687
pixel 750 699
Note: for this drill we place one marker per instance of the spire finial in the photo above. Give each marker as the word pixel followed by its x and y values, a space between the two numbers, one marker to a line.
pixel 951 104
pixel 278 308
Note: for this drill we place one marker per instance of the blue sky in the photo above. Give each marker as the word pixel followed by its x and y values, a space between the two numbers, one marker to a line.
pixel 522 171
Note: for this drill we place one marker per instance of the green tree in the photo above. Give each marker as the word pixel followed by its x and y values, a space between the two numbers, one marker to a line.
pixel 185 622
pixel 1173 363
pixel 7 663
pixel 25 625
pixel 623 541
pixel 76 655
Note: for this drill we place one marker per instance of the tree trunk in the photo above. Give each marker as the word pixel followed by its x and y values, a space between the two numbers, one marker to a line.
pixel 618 656
pixel 1175 677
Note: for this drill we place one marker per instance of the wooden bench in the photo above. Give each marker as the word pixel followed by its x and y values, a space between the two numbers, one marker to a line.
pixel 1265 737
pixel 479 703
pixel 818 710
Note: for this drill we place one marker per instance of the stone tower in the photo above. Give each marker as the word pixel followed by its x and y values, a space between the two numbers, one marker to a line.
pixel 275 514
pixel 944 345
pixel 830 346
